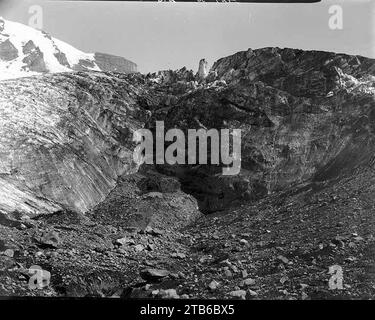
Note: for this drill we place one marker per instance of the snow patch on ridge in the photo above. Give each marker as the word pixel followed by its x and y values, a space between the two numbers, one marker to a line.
pixel 19 34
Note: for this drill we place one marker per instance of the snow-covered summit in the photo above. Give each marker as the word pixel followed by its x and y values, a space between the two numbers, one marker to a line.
pixel 25 51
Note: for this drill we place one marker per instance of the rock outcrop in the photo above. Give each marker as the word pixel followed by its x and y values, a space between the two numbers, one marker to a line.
pixel 33 60
pixel 147 199
pixel 8 51
pixel 108 62
pixel 202 70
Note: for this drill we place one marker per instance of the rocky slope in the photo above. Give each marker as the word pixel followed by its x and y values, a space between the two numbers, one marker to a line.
pixel 25 51
pixel 302 202
pixel 278 248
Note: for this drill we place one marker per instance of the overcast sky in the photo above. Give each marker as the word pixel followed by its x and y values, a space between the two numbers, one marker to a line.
pixel 171 35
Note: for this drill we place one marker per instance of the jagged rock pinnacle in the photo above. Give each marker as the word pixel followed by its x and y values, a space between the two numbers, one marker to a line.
pixel 203 69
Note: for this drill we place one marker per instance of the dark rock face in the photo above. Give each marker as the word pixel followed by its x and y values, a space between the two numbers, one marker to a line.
pixel 84 65
pixel 28 47
pixel 302 115
pixel 107 62
pixel 7 51
pixel 33 60
pixel 300 73
pixel 61 58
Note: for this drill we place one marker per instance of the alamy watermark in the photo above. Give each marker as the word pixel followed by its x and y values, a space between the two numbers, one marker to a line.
pixel 336 280
pixel 36 17
pixel 336 20
pixel 184 150
pixel 39 278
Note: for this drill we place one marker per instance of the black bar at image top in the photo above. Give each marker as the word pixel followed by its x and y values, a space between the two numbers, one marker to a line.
pixel 218 1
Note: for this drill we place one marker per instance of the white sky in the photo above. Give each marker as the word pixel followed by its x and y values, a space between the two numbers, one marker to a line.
pixel 171 35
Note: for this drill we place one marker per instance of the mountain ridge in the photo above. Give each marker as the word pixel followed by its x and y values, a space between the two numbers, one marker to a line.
pixel 25 51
